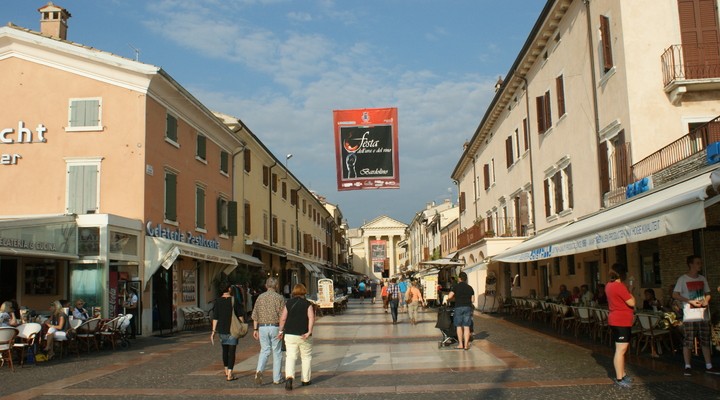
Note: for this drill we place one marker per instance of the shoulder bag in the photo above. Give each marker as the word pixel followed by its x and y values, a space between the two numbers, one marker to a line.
pixel 237 329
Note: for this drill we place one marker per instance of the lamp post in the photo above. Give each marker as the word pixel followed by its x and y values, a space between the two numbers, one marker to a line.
pixel 287 157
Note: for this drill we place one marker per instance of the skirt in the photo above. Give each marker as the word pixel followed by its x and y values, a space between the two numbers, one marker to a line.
pixel 228 339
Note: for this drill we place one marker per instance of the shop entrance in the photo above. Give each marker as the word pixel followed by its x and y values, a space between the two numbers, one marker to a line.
pixel 8 278
pixel 162 288
pixel 593 270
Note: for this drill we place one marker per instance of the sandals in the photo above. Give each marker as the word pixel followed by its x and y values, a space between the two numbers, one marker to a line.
pixel 231 378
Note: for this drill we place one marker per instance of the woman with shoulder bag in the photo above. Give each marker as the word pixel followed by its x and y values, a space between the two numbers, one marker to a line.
pixel 226 308
pixel 296 324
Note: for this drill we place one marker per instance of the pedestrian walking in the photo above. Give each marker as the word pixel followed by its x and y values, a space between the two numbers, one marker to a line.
pixel 621 305
pixel 361 289
pixel 296 325
pixel 693 291
pixel 464 296
pixel 266 328
pixel 384 295
pixel 393 292
pixel 403 286
pixel 414 300
pixel 226 308
pixel 373 290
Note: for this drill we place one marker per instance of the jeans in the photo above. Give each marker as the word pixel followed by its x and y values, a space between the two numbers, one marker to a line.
pixel 394 309
pixel 295 344
pixel 270 343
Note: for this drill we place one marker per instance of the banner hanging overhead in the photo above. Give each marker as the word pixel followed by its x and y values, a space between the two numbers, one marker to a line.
pixel 366 148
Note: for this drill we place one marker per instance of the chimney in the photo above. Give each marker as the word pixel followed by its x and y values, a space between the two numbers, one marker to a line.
pixel 498 84
pixel 53 21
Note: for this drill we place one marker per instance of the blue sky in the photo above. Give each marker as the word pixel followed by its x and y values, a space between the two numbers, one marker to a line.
pixel 283 66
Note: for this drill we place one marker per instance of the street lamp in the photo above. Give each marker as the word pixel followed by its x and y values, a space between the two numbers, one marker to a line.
pixel 287 157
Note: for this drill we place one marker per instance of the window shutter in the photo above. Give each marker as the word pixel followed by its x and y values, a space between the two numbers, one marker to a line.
pixel 557 185
pixel 548 111
pixel 547 197
pixel 568 176
pixel 462 202
pixel 247 160
pixel 224 158
pixel 524 209
pixel 92 113
pixel 200 207
pixel 232 218
pixel 247 218
pixel 293 197
pixel 89 192
pixel 274 182
pixel 170 197
pixel 284 190
pixel 622 167
pixel 509 151
pixel 201 146
pixel 274 229
pixel 219 206
pixel 606 43
pixel 266 175
pixel 603 167
pixel 540 105
pixel 486 175
pixel 560 89
pixel 74 113
pixel 74 190
pixel 525 134
pixel 171 132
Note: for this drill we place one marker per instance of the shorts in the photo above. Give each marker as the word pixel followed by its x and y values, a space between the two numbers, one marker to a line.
pixel 462 316
pixel 621 334
pixel 228 339
pixel 699 329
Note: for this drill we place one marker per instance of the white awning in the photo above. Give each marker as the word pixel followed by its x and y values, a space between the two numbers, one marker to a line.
pixel 248 259
pixel 483 265
pixel 163 252
pixel 443 262
pixel 676 209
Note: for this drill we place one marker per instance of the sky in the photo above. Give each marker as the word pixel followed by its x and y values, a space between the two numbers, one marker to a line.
pixel 283 66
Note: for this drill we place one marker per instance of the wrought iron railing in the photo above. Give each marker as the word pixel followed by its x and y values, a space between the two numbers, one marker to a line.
pixel 688 145
pixel 683 62
pixel 503 227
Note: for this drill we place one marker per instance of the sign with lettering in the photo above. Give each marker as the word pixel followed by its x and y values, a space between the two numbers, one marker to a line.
pixel 178 236
pixel 326 293
pixel 22 135
pixel 366 148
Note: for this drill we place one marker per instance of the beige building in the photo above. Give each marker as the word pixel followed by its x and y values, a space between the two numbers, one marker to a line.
pixel 602 95
pixel 376 250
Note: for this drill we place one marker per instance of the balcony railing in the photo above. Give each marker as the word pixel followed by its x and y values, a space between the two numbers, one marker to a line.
pixel 688 145
pixel 684 62
pixel 503 227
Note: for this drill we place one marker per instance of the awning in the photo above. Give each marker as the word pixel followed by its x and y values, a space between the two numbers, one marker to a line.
pixel 481 266
pixel 163 252
pixel 267 248
pixel 676 209
pixel 248 259
pixel 442 262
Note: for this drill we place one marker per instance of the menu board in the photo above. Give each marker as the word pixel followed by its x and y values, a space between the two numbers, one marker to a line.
pixel 430 287
pixel 188 285
pixel 326 293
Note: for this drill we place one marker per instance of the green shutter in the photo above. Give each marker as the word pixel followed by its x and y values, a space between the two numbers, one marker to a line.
pixel 170 196
pixel 220 220
pixel 224 161
pixel 232 218
pixel 89 192
pixel 201 146
pixel 92 112
pixel 171 132
pixel 200 207
pixel 74 189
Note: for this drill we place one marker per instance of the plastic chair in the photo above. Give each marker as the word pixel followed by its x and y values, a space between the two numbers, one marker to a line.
pixel 27 333
pixel 7 338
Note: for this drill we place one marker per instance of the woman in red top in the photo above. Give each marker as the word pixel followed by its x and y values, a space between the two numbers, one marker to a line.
pixel 621 304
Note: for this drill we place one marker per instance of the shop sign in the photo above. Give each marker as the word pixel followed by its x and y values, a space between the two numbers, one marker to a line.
pixel 58 238
pixel 175 234
pixel 20 136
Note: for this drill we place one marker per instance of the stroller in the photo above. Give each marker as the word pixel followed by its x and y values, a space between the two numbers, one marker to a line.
pixel 447 327
pixel 123 327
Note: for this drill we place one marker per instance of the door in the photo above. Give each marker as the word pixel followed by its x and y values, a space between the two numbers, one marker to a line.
pixel 593 271
pixel 544 281
pixel 700 38
pixel 8 279
pixel 162 299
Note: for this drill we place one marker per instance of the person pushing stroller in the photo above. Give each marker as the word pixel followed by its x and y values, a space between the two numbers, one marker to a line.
pixel 464 296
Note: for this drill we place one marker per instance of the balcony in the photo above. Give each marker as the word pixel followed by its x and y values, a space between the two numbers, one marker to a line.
pixel 682 154
pixel 503 227
pixel 688 68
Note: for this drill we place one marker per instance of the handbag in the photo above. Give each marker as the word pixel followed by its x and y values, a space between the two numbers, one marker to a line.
pixel 237 329
pixel 694 314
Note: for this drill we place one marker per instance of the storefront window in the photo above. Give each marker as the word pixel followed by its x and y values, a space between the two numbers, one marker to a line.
pixel 41 278
pixel 86 283
pixel 88 241
pixel 650 263
pixel 123 243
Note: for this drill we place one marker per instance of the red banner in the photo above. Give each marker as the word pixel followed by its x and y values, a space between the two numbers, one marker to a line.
pixel 366 148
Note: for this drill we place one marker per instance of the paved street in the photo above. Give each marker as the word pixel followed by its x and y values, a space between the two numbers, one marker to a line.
pixel 361 355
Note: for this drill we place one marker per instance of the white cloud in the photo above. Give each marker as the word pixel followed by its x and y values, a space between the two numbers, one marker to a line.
pixel 299 16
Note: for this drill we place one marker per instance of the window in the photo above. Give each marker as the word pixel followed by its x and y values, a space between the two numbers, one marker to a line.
pixel 284 190
pixel 304 206
pixel 571 264
pixel 526 138
pixel 274 183
pixel 606 44
pixel 462 202
pixel 294 197
pixel 200 151
pixel 274 229
pixel 265 226
pixel 199 207
pixel 171 128
pixel 84 115
pixel 559 191
pixel 247 219
pixel 227 217
pixel 170 196
pixel 266 175
pixel 486 176
pixel 560 89
pixel 292 237
pixel 284 233
pixel 556 266
pixel 650 263
pixel 544 114
pixel 82 186
pixel 224 164
pixel 509 153
pixel 247 160
pixel 614 157
pixel 516 144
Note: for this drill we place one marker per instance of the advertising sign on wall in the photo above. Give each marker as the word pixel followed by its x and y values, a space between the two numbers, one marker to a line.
pixel 378 253
pixel 366 148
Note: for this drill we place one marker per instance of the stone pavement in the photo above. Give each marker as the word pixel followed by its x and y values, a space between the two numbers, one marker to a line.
pixel 361 355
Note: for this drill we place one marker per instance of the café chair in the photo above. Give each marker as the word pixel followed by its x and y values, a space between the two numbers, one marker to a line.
pixel 28 334
pixel 70 339
pixel 583 319
pixel 110 331
pixel 87 333
pixel 7 339
pixel 651 334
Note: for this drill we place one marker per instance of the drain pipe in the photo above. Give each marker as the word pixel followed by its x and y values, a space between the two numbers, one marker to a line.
pixel 594 92
pixel 530 151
